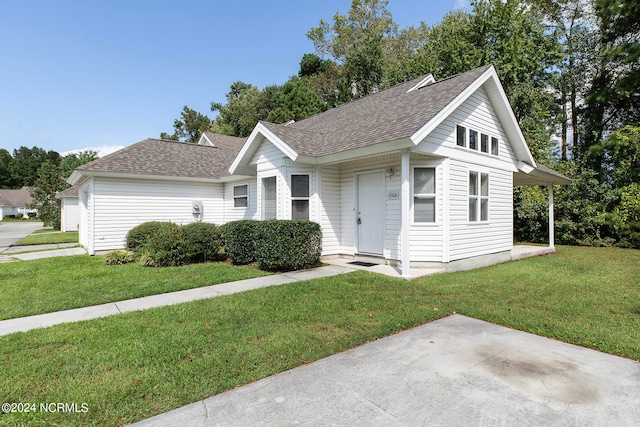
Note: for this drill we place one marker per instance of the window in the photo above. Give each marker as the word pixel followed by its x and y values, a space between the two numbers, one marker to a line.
pixel 494 146
pixel 424 195
pixel 300 197
pixel 478 196
pixel 477 141
pixel 269 198
pixel 473 139
pixel 240 196
pixel 484 143
pixel 461 136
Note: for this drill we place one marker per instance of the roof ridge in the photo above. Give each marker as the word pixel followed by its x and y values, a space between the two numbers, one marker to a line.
pixel 487 66
pixel 366 97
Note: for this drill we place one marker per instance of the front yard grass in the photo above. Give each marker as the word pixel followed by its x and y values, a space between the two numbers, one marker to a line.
pixel 54 284
pixel 135 365
pixel 46 237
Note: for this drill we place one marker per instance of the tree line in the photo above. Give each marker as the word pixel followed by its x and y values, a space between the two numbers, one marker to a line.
pixel 570 69
pixel 45 173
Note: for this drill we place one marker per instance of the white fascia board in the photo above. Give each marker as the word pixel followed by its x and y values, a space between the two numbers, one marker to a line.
pixel 102 174
pixel 205 141
pixel 427 80
pixel 446 111
pixel 512 122
pixel 250 147
pixel 368 151
pixel 74 177
pixel 526 168
pixel 503 106
pixel 235 178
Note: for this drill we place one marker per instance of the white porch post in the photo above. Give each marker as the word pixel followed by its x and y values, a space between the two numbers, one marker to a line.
pixel 404 227
pixel 551 219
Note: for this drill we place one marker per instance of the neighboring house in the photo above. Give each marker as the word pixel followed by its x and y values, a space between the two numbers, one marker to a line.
pixel 422 172
pixel 14 202
pixel 70 209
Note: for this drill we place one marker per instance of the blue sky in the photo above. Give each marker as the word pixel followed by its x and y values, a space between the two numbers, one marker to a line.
pixel 106 74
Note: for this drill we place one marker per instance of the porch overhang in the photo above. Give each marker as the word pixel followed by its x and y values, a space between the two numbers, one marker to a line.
pixel 529 175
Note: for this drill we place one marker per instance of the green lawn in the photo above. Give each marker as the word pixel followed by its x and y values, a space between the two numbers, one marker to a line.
pixel 54 284
pixel 41 237
pixel 135 365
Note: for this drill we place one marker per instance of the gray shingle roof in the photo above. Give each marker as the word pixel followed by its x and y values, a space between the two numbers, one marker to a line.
pixel 388 115
pixel 17 198
pixel 159 157
pixel 69 192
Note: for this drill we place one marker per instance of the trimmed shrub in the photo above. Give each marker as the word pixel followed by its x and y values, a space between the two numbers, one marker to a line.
pixel 166 247
pixel 138 236
pixel 239 241
pixel 285 245
pixel 203 240
pixel 119 258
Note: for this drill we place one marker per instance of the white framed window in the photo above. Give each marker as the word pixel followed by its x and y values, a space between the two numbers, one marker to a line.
pixel 484 143
pixel 240 196
pixel 473 139
pixel 478 196
pixel 477 141
pixel 269 198
pixel 461 136
pixel 494 146
pixel 424 194
pixel 300 197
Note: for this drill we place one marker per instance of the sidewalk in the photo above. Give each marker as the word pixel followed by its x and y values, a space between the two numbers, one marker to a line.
pixel 41 251
pixel 24 324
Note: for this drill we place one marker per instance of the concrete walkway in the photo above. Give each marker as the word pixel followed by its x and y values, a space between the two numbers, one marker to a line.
pixel 456 371
pixel 24 324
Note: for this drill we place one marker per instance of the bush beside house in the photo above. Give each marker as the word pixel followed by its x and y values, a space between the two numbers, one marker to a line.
pixel 239 241
pixel 288 244
pixel 277 245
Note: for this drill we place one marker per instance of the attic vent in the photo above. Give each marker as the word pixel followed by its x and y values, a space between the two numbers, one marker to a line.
pixel 289 122
pixel 426 81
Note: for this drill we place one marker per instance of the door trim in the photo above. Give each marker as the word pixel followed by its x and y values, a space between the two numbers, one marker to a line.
pixel 356 210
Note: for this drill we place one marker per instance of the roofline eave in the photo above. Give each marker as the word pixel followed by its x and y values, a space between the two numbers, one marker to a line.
pixel 249 148
pixel 76 176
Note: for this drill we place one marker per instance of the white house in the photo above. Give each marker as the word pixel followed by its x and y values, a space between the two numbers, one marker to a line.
pixel 14 203
pixel 70 209
pixel 422 172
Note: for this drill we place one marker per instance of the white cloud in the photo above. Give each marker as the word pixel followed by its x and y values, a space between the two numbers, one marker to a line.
pixel 462 4
pixel 102 150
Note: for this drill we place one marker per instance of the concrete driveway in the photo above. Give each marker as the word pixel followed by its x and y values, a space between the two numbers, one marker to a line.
pixel 12 232
pixel 456 371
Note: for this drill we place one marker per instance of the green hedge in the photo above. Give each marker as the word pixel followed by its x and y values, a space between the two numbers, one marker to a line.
pixel 239 241
pixel 203 240
pixel 285 245
pixel 166 247
pixel 277 245
pixel 138 236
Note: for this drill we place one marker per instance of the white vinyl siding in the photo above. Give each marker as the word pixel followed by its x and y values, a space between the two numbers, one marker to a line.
pixel 118 205
pixel 477 114
pixel 466 238
pixel 426 239
pixel 70 214
pixel 232 213
pixel 330 217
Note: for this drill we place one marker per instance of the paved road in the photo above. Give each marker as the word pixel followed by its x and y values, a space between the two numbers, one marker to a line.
pixel 11 232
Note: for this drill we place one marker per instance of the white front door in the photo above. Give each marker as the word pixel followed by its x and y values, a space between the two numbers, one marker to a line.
pixel 370 213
